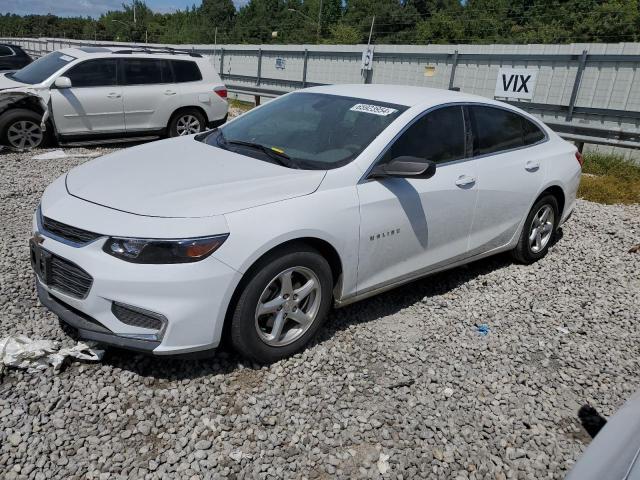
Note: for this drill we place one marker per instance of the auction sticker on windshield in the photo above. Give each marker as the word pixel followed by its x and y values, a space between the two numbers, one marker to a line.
pixel 67 58
pixel 374 109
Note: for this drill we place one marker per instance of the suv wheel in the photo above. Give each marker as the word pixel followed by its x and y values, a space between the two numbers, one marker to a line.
pixel 20 129
pixel 187 122
pixel 538 231
pixel 283 304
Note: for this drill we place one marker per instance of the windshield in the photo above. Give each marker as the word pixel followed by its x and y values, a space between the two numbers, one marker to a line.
pixel 42 68
pixel 308 130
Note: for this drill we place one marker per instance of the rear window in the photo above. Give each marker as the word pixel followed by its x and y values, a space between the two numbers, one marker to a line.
pixel 495 130
pixel 146 71
pixel 5 51
pixel 185 71
pixel 532 133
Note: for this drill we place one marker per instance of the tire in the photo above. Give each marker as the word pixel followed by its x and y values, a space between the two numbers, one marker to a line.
pixel 532 246
pixel 20 129
pixel 187 121
pixel 252 334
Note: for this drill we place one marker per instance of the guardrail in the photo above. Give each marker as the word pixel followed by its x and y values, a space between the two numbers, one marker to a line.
pixel 582 124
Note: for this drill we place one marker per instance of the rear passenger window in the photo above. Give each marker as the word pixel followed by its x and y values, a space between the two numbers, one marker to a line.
pixel 186 71
pixel 146 71
pixel 5 51
pixel 94 73
pixel 437 136
pixel 532 133
pixel 495 129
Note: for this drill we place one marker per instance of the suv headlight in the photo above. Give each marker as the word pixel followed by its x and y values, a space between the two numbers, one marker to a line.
pixel 153 251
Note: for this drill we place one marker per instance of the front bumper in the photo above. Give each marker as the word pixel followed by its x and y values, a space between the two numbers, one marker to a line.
pixel 89 328
pixel 192 298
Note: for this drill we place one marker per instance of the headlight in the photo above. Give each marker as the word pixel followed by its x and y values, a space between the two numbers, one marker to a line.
pixel 140 250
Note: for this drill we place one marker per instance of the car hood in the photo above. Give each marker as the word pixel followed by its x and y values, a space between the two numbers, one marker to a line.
pixel 182 177
pixel 6 82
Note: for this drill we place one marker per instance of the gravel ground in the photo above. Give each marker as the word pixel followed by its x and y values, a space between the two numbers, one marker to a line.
pixel 399 386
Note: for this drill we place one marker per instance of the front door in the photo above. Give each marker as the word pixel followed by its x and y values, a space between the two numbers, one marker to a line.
pixel 412 226
pixel 93 104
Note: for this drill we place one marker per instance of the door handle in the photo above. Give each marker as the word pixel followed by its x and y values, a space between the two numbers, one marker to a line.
pixel 531 166
pixel 465 181
pixel 169 92
pixel 114 95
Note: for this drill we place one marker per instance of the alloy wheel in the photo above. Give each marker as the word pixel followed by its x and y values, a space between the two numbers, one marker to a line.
pixel 188 125
pixel 541 228
pixel 288 306
pixel 24 134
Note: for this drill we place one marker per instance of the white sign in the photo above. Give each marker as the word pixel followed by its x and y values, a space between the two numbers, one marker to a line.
pixel 516 83
pixel 367 59
pixel 374 109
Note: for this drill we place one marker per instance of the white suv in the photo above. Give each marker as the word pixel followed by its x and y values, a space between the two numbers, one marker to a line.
pixel 97 94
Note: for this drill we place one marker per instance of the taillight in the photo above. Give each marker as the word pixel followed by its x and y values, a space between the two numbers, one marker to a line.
pixel 580 159
pixel 221 91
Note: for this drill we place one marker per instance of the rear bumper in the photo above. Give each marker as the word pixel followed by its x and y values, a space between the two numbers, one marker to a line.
pixel 89 328
pixel 217 123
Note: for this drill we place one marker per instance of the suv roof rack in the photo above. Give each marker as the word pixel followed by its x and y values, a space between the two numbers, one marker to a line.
pixel 163 50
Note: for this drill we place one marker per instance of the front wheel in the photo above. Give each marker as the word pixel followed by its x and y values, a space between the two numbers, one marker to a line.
pixel 187 122
pixel 283 304
pixel 538 230
pixel 20 129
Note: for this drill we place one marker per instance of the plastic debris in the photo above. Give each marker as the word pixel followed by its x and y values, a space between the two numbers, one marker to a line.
pixel 482 329
pixel 238 455
pixel 54 155
pixel 562 330
pixel 58 154
pixel 383 464
pixel 37 355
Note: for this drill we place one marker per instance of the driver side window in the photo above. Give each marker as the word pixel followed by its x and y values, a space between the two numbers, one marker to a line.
pixel 437 136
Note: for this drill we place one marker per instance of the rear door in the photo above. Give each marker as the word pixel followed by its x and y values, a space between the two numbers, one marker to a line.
pixel 410 226
pixel 150 95
pixel 93 104
pixel 509 162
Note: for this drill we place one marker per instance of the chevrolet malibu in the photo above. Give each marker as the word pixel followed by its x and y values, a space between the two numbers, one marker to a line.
pixel 325 196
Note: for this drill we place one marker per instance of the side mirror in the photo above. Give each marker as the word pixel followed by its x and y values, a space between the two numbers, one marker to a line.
pixel 62 82
pixel 405 166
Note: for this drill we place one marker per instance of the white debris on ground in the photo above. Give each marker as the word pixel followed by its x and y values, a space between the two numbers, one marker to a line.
pixel 74 153
pixel 36 355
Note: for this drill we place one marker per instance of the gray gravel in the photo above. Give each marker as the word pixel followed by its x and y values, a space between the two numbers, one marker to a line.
pixel 400 384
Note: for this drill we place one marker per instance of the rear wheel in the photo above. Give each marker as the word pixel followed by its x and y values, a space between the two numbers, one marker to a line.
pixel 187 122
pixel 20 129
pixel 283 304
pixel 538 230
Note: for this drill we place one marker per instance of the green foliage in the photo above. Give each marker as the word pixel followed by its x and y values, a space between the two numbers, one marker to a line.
pixel 349 22
pixel 609 179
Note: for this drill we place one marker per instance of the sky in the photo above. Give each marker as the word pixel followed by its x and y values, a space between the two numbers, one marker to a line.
pixel 92 8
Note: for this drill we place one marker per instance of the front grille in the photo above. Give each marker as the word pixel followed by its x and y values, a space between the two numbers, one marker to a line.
pixel 68 278
pixel 72 234
pixel 137 317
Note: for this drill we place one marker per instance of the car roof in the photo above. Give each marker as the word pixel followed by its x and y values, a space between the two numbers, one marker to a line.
pixel 409 96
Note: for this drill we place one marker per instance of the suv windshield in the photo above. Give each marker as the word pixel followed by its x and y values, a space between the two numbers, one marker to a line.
pixel 42 68
pixel 307 130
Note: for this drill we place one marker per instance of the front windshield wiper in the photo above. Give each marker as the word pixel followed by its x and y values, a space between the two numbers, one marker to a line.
pixel 279 157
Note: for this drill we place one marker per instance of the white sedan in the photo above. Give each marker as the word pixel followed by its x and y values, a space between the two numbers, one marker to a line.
pixel 322 197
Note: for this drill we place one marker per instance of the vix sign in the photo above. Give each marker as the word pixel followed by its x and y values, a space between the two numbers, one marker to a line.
pixel 516 83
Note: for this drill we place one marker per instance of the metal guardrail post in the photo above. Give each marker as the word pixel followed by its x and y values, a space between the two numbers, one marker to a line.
pixel 221 62
pixel 454 65
pixel 259 66
pixel 576 85
pixel 304 68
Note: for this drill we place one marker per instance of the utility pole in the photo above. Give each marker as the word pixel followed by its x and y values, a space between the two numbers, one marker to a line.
pixel 319 20
pixel 134 11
